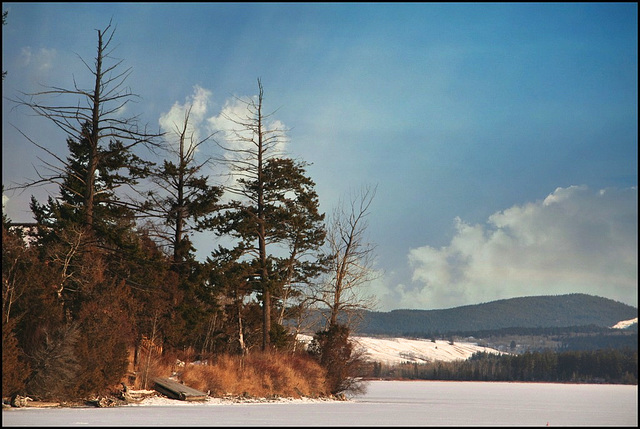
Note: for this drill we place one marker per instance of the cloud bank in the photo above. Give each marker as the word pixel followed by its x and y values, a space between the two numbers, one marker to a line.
pixel 574 241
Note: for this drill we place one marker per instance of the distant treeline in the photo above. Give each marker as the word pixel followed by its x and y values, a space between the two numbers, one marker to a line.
pixel 593 366
pixel 589 337
pixel 537 331
pixel 605 340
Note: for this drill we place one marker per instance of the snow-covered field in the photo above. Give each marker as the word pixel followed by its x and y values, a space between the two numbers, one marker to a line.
pixel 625 323
pixel 386 403
pixel 398 350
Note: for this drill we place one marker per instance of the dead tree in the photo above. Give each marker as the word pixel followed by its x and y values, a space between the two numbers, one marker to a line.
pixel 93 120
pixel 351 261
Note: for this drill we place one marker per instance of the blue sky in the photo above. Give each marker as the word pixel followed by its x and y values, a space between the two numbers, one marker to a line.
pixel 502 138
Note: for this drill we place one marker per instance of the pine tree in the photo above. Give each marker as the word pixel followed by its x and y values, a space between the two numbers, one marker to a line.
pixel 273 217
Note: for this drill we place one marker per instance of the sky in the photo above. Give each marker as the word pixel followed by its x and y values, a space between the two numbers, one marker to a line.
pixel 501 139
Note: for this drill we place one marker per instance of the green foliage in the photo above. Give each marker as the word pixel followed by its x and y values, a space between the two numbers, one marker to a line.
pixel 185 201
pixel 281 338
pixel 611 339
pixel 117 166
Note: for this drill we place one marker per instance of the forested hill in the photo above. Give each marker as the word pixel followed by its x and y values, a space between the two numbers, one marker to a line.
pixel 524 312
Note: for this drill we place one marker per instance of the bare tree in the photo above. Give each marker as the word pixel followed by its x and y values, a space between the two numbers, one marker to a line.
pixel 351 261
pixel 97 124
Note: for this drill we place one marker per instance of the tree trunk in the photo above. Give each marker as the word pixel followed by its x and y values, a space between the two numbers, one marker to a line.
pixel 92 166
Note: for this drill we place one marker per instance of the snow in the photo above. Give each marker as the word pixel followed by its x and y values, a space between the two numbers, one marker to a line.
pixel 398 350
pixel 625 323
pixel 386 403
pixel 165 401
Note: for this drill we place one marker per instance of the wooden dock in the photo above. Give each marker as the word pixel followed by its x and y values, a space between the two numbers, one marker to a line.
pixel 176 390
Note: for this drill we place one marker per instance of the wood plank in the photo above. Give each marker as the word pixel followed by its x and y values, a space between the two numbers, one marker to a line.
pixel 176 390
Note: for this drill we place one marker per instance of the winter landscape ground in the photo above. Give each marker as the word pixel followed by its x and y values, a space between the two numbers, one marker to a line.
pixel 386 403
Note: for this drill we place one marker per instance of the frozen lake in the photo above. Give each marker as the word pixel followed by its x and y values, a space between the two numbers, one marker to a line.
pixel 386 403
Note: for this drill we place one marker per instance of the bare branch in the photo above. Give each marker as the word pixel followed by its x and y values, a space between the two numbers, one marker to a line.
pixel 351 262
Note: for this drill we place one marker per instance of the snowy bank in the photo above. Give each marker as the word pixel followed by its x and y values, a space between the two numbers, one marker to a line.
pixel 398 350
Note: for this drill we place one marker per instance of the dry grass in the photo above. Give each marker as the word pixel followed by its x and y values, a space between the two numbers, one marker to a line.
pixel 156 366
pixel 259 374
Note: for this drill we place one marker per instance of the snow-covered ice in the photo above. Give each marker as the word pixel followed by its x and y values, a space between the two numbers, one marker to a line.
pixel 386 403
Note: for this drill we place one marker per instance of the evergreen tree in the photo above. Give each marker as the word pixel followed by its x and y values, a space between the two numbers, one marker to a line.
pixel 183 199
pixel 333 350
pixel 298 219
pixel 88 244
pixel 112 217
pixel 271 196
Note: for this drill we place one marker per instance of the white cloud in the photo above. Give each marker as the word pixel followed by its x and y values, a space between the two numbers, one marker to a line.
pixel 575 240
pixel 233 108
pixel 172 122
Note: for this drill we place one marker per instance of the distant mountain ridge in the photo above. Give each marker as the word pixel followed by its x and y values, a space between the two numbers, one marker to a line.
pixel 524 312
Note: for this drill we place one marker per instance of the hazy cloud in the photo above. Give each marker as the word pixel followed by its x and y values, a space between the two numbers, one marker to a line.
pixel 232 136
pixel 235 110
pixel 575 240
pixel 38 64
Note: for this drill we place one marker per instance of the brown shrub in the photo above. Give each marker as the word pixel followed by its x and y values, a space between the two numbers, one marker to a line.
pixel 14 371
pixel 258 374
pixel 106 334
pixel 55 367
